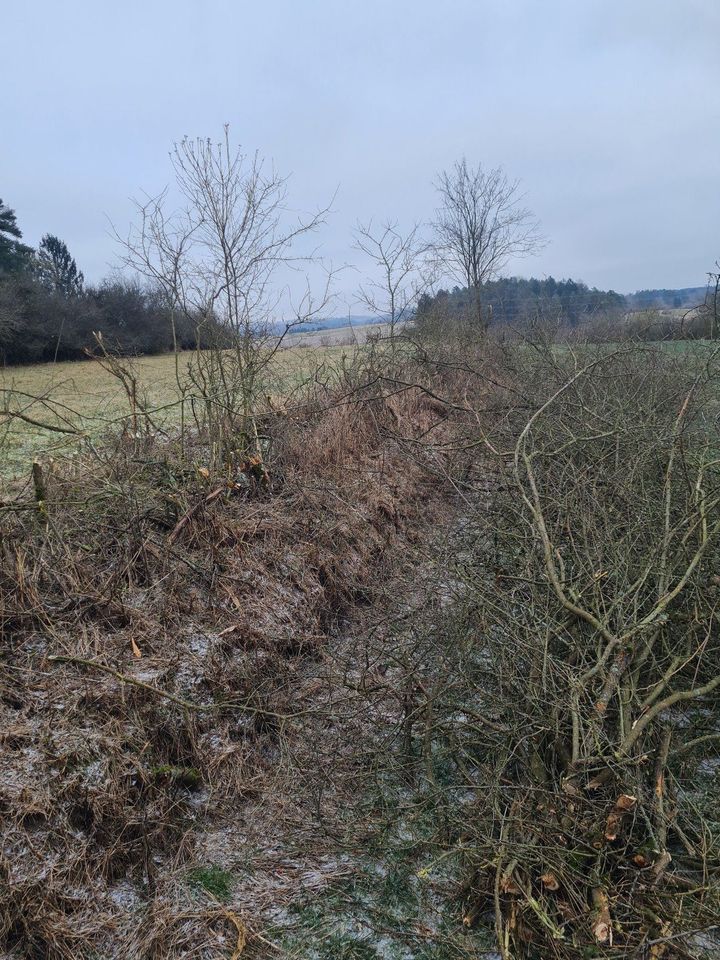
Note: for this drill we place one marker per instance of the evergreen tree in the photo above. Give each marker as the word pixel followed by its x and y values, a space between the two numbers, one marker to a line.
pixel 56 269
pixel 14 256
pixel 516 300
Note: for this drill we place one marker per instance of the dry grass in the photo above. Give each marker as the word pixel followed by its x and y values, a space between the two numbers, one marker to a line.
pixel 151 687
pixel 85 397
pixel 300 716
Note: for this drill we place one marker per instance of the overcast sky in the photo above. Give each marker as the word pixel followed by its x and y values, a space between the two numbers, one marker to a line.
pixel 607 110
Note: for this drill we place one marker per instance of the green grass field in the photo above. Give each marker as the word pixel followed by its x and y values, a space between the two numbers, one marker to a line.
pixel 85 399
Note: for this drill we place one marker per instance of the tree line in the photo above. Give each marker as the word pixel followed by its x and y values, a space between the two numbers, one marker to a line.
pixel 48 312
pixel 517 300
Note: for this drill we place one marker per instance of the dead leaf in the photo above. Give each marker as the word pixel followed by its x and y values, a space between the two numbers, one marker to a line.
pixel 613 825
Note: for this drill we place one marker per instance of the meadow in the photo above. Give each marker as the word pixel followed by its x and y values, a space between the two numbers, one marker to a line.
pixel 83 401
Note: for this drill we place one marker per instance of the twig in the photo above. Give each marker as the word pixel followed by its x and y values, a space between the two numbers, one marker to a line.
pixel 187 517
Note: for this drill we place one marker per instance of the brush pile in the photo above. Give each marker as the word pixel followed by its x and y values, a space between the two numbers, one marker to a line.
pixel 579 699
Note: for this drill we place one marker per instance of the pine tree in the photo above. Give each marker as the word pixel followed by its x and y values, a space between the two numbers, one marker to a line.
pixel 56 268
pixel 14 256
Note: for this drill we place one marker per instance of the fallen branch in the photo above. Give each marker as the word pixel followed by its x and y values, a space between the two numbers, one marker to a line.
pixel 187 517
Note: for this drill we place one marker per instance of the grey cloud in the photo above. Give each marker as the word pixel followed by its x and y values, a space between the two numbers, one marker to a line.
pixel 607 110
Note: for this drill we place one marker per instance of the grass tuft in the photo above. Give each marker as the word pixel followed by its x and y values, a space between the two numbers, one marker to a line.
pixel 213 880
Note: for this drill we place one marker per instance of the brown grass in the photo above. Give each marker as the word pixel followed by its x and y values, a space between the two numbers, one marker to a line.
pixel 151 679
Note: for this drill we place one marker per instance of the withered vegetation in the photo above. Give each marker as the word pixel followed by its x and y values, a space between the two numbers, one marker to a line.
pixel 455 618
pixel 152 619
pixel 574 698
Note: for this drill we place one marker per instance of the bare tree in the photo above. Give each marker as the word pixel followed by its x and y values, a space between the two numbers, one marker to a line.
pixel 399 279
pixel 217 262
pixel 712 300
pixel 479 226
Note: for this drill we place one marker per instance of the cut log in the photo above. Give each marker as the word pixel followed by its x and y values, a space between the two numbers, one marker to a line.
pixel 602 923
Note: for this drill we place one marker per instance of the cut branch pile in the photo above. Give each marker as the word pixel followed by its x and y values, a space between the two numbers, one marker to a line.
pixel 593 594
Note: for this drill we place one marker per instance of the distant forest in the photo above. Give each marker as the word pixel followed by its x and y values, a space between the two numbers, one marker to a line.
pixel 48 312
pixel 666 299
pixel 516 300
